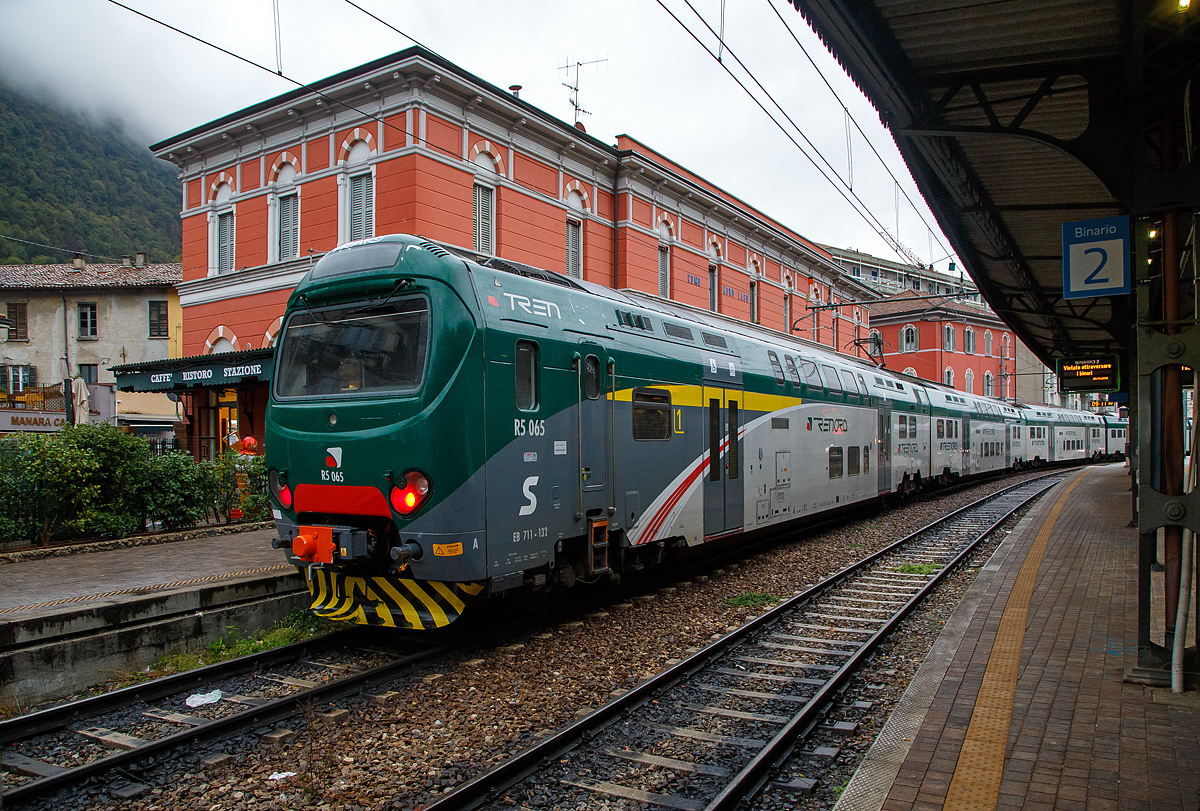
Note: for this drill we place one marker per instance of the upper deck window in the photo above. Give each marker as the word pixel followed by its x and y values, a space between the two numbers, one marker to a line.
pixel 356 258
pixel 353 351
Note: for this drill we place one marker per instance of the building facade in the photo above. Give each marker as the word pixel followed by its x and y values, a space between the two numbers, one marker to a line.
pixel 959 343
pixel 413 144
pixel 80 320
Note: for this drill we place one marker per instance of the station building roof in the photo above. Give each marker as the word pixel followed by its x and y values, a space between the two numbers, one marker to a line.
pixel 1017 116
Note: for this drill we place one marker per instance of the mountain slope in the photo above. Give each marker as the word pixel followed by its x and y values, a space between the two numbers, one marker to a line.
pixel 69 183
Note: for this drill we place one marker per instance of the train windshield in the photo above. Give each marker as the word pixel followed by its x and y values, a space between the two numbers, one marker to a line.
pixel 353 351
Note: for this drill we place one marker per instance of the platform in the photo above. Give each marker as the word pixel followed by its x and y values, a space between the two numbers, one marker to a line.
pixel 68 622
pixel 1022 702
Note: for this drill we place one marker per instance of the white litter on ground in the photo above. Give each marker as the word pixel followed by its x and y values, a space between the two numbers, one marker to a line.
pixel 281 775
pixel 200 699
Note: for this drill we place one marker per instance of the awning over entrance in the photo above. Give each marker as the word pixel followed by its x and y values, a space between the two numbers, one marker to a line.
pixel 227 369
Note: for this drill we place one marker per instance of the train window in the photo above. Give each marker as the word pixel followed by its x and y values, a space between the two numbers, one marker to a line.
pixel 353 351
pixel 941 429
pixel 848 381
pixel 591 377
pixel 831 379
pixel 651 414
pixel 866 459
pixel 371 256
pixel 879 381
pixel 912 427
pixel 792 373
pixel 775 367
pixel 835 463
pixel 900 386
pixel 812 376
pixel 902 433
pixel 852 460
pixel 526 364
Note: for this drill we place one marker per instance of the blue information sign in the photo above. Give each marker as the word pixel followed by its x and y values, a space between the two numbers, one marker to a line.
pixel 1095 257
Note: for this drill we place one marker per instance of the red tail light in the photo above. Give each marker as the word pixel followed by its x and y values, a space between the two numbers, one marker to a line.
pixel 410 493
pixel 281 492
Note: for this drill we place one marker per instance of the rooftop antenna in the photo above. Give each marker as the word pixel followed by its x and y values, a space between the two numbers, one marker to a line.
pixel 574 86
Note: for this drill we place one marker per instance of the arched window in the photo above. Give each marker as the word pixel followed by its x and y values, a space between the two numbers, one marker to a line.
pixel 989 384
pixel 1005 353
pixel 909 339
pixel 910 371
pixel 664 259
pixel 284 242
pixel 875 343
pixel 948 337
pixel 575 235
pixel 969 341
pixel 948 377
pixel 221 236
pixel 360 200
pixel 969 382
pixel 987 343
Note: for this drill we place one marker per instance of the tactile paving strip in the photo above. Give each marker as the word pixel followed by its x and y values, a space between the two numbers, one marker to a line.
pixel 976 782
pixel 874 777
pixel 145 589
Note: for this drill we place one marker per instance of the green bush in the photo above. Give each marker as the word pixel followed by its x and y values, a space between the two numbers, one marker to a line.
pixel 180 490
pixel 99 481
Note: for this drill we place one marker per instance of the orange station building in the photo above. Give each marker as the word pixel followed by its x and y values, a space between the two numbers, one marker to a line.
pixel 411 143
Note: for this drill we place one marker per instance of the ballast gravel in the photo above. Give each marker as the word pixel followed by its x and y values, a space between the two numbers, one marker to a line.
pixel 431 734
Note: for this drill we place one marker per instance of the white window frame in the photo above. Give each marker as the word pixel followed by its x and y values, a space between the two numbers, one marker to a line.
pixel 274 219
pixel 948 337
pixel 948 377
pixel 366 229
pixel 574 249
pixel 987 343
pixel 664 270
pixel 347 173
pixel 483 232
pixel 221 206
pixel 989 384
pixel 905 344
pixel 969 381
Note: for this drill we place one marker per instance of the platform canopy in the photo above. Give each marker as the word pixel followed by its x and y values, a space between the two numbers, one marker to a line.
pixel 1016 116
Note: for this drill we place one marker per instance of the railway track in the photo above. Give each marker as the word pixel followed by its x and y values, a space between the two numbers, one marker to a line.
pixel 708 732
pixel 128 728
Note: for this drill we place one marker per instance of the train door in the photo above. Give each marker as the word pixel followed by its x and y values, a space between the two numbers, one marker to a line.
pixel 595 426
pixel 966 445
pixel 1008 437
pixel 885 449
pixel 723 486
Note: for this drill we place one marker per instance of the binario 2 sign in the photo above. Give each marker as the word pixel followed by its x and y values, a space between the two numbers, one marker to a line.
pixel 1095 257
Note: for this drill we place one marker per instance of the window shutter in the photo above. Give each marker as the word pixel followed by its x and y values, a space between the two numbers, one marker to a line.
pixel 289 234
pixel 483 219
pixel 362 207
pixel 224 242
pixel 664 272
pixel 574 254
pixel 31 380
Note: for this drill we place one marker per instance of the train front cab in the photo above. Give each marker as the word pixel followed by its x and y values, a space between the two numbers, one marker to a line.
pixel 373 448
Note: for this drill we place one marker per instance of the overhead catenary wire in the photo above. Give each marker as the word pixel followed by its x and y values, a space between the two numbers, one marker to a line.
pixel 851 118
pixel 864 212
pixel 381 120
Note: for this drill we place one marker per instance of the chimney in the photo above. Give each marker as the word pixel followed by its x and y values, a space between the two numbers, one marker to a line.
pixel 126 261
pixel 77 263
pixel 140 259
pixel 515 89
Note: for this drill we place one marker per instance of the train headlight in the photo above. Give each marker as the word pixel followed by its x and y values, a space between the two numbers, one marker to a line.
pixel 410 493
pixel 281 492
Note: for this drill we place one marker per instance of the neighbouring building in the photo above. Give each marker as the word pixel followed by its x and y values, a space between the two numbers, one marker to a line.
pixel 79 320
pixel 411 143
pixel 960 343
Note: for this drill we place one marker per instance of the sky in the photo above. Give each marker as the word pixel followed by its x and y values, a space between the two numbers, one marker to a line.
pixel 644 76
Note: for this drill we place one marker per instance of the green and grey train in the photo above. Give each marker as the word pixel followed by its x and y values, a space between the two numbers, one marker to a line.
pixel 443 428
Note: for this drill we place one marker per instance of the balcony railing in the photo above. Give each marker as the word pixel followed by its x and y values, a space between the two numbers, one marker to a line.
pixel 34 398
